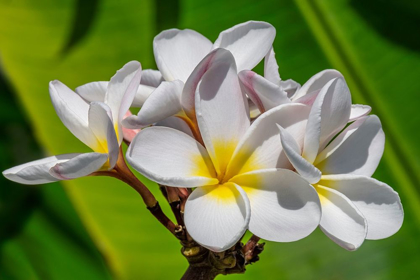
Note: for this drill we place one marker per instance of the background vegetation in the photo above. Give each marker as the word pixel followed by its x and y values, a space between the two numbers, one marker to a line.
pixel 97 228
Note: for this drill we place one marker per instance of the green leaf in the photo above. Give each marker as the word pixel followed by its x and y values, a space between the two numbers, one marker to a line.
pixel 379 60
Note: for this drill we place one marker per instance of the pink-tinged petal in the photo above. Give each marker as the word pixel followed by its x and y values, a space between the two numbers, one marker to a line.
pixel 358 111
pixel 100 122
pixel 94 91
pixel 215 57
pixel 128 133
pixel 217 216
pixel 284 206
pixel 341 221
pixel 271 69
pixel 329 114
pixel 316 82
pixel 355 151
pixel 262 92
pixel 36 172
pixel 163 103
pixel 249 42
pixel 79 166
pixel 222 112
pixel 151 78
pixel 260 148
pixel 176 123
pixel 72 111
pixel 293 151
pixel 378 202
pixel 177 52
pixel 171 157
pixel 121 91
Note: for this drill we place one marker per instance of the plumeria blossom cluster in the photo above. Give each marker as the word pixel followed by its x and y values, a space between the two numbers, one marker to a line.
pixel 247 151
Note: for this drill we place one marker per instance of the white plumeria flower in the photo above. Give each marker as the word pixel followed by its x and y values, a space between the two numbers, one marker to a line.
pixel 355 206
pixel 270 91
pixel 98 125
pixel 236 169
pixel 183 57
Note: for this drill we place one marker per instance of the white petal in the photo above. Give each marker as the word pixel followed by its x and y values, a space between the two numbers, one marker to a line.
pixel 262 92
pixel 163 103
pixel 36 172
pixel 79 166
pixel 143 92
pixel 329 114
pixel 222 112
pixel 292 150
pixel 316 82
pixel 100 122
pixel 357 152
pixel 284 206
pixel 217 216
pixel 171 157
pixel 94 91
pixel 72 111
pixel 176 123
pixel 177 52
pixel 151 78
pixel 358 111
pixel 271 69
pixel 121 91
pixel 249 42
pixel 253 109
pixel 378 202
pixel 215 57
pixel 341 221
pixel 260 148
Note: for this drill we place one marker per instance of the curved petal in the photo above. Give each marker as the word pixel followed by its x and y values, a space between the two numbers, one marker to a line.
pixel 177 52
pixel 36 172
pixel 260 148
pixel 171 157
pixel 72 111
pixel 284 206
pixel 355 151
pixel 341 221
pixel 249 42
pixel 262 92
pixel 151 78
pixel 121 91
pixel 292 150
pixel 358 111
pixel 222 112
pixel 163 103
pixel 94 91
pixel 217 216
pixel 378 202
pixel 100 122
pixel 329 114
pixel 79 166
pixel 316 82
pixel 176 123
pixel 271 69
pixel 215 57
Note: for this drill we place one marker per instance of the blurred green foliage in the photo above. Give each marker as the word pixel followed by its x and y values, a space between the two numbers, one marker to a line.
pixel 112 236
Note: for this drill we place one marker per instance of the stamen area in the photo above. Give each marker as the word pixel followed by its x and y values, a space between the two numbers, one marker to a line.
pixel 223 193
